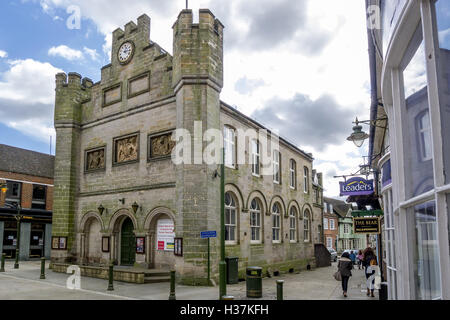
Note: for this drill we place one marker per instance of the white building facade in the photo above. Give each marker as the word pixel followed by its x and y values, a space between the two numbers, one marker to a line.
pixel 410 148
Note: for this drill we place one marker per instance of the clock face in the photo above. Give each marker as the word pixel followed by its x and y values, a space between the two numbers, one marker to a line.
pixel 125 52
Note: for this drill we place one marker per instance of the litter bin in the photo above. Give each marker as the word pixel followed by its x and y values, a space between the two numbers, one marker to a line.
pixel 383 291
pixel 232 270
pixel 254 282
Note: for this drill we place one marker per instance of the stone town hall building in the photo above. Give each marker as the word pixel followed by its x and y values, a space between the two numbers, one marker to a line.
pixel 119 196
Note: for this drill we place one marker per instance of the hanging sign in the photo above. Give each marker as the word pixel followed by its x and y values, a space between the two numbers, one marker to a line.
pixel 366 225
pixel 165 235
pixel 356 187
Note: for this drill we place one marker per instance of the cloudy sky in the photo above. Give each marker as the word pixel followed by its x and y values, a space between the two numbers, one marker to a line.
pixel 300 67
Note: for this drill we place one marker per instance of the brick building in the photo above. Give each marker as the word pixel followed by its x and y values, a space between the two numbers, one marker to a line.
pixel 331 222
pixel 120 196
pixel 28 176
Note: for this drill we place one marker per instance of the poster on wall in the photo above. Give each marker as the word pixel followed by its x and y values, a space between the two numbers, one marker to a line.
pixel 140 245
pixel 165 235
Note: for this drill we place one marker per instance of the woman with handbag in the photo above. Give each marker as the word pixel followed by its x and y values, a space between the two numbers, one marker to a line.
pixel 345 266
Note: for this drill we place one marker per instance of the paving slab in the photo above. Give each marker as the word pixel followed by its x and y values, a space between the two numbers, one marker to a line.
pixel 316 284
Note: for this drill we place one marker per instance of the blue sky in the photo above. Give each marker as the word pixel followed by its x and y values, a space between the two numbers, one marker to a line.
pixel 283 59
pixel 28 32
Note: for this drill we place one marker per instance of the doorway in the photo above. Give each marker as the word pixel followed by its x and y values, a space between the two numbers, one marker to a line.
pixel 127 243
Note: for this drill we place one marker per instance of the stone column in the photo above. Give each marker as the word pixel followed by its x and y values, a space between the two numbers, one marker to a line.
pixel 25 233
pixel 82 251
pixel 2 227
pixel 48 240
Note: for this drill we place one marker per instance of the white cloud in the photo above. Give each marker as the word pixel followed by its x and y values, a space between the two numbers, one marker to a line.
pixel 3 54
pixel 92 53
pixel 73 54
pixel 65 52
pixel 27 95
pixel 321 50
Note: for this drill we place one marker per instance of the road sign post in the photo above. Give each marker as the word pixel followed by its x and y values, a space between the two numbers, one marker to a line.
pixel 208 235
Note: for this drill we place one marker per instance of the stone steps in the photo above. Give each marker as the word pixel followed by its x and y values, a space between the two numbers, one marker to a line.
pixel 156 276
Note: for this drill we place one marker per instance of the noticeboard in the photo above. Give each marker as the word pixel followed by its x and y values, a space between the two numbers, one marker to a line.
pixel 366 225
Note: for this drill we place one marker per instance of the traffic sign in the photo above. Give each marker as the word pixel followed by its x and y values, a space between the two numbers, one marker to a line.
pixel 208 234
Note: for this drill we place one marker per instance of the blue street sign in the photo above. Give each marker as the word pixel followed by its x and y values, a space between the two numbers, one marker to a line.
pixel 208 234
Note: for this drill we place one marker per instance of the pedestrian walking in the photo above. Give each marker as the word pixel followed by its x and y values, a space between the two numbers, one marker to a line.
pixel 353 256
pixel 368 254
pixel 359 258
pixel 371 272
pixel 345 266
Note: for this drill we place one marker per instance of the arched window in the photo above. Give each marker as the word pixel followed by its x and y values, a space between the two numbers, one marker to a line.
pixel 230 218
pixel 276 223
pixel 276 167
pixel 255 221
pixel 305 179
pixel 293 224
pixel 292 173
pixel 255 157
pixel 229 146
pixel 306 225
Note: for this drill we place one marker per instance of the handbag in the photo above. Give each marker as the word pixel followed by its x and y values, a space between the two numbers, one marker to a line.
pixel 337 275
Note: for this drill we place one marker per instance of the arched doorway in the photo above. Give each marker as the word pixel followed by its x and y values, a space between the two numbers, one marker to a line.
pixel 127 243
pixel 93 241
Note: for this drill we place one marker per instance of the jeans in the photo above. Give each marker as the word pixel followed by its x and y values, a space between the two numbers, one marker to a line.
pixel 345 283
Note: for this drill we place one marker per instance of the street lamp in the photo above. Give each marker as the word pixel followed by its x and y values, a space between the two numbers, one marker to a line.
pixel 3 187
pixel 358 136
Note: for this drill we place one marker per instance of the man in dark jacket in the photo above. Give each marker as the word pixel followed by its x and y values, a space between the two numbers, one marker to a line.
pixel 345 266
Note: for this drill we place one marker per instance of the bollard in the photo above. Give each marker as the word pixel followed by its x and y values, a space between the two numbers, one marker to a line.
pixel 280 289
pixel 227 297
pixel 172 286
pixel 16 263
pixel 2 266
pixel 111 277
pixel 42 268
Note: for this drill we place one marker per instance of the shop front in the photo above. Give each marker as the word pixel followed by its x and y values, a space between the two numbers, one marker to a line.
pixel 28 230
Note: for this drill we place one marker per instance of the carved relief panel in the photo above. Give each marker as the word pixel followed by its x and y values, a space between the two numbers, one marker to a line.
pixel 126 148
pixel 160 145
pixel 95 159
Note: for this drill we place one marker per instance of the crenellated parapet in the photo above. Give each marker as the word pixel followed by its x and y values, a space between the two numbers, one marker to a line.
pixel 71 91
pixel 198 48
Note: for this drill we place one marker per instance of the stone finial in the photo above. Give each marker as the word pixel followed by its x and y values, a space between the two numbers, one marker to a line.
pixel 87 83
pixel 61 79
pixel 130 27
pixel 74 79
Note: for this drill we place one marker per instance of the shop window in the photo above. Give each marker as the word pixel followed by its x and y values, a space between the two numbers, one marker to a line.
pixel 417 127
pixel 426 252
pixel 39 196
pixel 443 23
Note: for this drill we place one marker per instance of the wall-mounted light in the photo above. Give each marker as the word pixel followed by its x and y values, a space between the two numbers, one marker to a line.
pixel 122 200
pixel 135 206
pixel 100 209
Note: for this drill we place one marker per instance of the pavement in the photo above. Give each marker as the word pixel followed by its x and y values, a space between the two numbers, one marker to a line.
pixel 316 284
